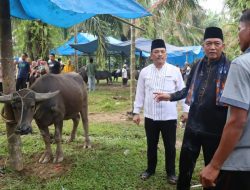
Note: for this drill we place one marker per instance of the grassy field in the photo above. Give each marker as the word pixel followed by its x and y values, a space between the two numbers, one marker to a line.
pixel 115 161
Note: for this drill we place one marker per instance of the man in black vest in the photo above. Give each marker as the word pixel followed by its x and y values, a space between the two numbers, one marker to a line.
pixel 207 116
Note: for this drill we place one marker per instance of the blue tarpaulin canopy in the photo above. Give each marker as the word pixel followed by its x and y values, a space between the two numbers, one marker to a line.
pixel 66 50
pixel 176 55
pixel 66 13
pixel 188 54
pixel 83 38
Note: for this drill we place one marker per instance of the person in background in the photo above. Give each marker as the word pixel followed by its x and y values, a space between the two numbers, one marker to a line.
pixel 229 168
pixel 91 71
pixel 124 75
pixel 54 66
pixel 207 116
pixel 61 63
pixel 69 67
pixel 160 117
pixel 23 72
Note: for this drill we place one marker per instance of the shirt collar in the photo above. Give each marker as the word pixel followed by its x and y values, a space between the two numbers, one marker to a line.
pixel 161 67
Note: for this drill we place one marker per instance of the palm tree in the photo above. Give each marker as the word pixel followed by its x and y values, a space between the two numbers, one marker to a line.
pixel 35 38
pixel 177 22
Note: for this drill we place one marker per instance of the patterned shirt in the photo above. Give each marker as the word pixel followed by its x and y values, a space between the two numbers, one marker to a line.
pixel 168 79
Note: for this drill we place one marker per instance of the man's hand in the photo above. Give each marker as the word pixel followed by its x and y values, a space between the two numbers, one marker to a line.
pixel 137 119
pixel 184 117
pixel 161 96
pixel 208 176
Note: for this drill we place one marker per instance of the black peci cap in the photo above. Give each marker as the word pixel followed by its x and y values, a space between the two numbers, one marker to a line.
pixel 213 32
pixel 158 43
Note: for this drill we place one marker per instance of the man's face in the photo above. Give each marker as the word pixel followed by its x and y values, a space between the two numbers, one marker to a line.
pixel 24 57
pixel 158 56
pixel 244 35
pixel 213 48
pixel 52 57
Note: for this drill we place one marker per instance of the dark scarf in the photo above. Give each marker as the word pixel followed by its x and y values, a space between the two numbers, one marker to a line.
pixel 223 68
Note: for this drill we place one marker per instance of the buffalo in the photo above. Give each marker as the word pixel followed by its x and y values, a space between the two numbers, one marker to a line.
pixel 118 73
pixel 50 100
pixel 101 75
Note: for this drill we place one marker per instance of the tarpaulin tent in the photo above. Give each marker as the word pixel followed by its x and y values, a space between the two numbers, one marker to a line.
pixel 66 13
pixel 176 55
pixel 84 38
pixel 67 50
pixel 112 46
pixel 91 46
pixel 188 54
pixel 179 57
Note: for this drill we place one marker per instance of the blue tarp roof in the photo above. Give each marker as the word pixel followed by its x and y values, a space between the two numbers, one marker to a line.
pixel 66 13
pixel 65 49
pixel 82 38
pixel 188 53
pixel 176 55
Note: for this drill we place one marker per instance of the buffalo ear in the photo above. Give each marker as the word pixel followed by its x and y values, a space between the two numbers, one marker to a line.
pixel 44 96
pixel 6 98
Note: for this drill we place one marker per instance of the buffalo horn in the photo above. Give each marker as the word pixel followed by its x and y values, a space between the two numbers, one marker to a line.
pixel 45 96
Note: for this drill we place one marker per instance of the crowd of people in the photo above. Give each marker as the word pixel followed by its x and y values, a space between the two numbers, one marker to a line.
pixel 28 71
pixel 218 120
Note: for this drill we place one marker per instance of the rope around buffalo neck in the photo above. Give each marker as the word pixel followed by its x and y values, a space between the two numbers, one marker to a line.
pixel 21 117
pixel 7 120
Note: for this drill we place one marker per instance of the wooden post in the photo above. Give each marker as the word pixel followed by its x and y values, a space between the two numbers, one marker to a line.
pixel 132 65
pixel 8 69
pixel 109 64
pixel 75 41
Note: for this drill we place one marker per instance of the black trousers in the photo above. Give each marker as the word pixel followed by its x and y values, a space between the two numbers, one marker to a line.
pixel 233 180
pixel 168 132
pixel 124 81
pixel 190 150
pixel 21 83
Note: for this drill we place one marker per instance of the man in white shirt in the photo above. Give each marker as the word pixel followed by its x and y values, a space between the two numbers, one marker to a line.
pixel 160 117
pixel 124 75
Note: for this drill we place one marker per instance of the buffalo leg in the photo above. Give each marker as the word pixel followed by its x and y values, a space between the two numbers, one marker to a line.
pixel 110 79
pixel 47 155
pixel 75 125
pixel 85 122
pixel 58 138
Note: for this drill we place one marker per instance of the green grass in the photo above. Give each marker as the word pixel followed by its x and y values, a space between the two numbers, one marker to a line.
pixel 117 158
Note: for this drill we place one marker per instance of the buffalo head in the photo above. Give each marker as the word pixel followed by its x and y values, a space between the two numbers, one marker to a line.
pixel 23 104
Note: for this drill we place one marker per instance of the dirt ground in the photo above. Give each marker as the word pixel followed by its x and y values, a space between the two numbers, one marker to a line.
pixel 110 117
pixel 33 168
pixel 50 170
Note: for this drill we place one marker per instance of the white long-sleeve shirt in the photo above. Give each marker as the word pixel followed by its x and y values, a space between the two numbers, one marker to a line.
pixel 124 73
pixel 167 79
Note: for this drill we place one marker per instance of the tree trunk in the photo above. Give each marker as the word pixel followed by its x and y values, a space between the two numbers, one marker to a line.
pixel 8 69
pixel 132 65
